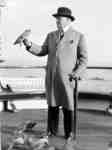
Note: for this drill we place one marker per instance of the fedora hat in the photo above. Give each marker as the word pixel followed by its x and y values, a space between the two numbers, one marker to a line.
pixel 64 12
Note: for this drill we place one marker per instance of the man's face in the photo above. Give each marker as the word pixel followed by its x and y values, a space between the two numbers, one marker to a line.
pixel 62 22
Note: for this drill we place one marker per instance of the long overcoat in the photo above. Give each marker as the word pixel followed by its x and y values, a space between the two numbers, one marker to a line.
pixel 64 57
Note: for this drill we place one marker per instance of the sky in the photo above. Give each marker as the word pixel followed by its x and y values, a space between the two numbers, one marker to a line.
pixel 93 19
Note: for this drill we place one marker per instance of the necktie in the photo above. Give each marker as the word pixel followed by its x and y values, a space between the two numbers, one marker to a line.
pixel 61 34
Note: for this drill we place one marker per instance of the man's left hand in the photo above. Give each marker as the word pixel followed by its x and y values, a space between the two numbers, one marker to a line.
pixel 73 76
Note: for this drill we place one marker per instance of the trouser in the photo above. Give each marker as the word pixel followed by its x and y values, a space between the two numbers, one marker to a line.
pixel 69 121
pixel 70 117
pixel 53 119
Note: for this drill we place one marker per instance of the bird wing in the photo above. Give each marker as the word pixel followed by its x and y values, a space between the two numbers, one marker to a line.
pixel 22 36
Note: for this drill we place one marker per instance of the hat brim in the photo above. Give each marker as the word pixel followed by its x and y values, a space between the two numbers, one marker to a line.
pixel 58 15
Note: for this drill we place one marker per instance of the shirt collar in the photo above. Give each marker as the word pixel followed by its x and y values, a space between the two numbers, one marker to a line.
pixel 67 27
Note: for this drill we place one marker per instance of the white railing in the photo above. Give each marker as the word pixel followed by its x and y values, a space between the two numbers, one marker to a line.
pixel 24 84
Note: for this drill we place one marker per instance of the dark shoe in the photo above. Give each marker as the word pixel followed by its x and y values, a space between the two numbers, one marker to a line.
pixel 70 137
pixel 51 134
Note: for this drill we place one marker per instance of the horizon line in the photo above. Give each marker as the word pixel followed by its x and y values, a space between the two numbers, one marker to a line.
pixel 44 66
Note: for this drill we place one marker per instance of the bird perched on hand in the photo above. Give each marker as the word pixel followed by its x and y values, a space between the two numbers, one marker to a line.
pixel 22 36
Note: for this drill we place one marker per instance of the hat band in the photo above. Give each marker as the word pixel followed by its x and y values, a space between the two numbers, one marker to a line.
pixel 64 15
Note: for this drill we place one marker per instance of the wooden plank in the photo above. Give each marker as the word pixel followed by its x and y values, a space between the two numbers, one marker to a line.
pixel 93 95
pixel 20 95
pixel 41 95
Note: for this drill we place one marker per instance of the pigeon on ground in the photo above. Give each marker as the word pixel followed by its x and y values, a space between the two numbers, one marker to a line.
pixel 29 125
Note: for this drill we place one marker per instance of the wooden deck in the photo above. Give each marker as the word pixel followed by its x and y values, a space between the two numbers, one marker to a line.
pixel 94 128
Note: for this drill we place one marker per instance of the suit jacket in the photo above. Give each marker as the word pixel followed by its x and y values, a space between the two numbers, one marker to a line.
pixel 64 57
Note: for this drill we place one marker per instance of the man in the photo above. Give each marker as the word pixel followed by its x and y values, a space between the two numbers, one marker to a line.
pixel 67 60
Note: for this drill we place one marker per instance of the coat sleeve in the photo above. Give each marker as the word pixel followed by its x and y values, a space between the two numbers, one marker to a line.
pixel 82 57
pixel 40 50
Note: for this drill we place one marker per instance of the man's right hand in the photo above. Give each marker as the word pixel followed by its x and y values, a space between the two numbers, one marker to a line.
pixel 22 36
pixel 27 43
